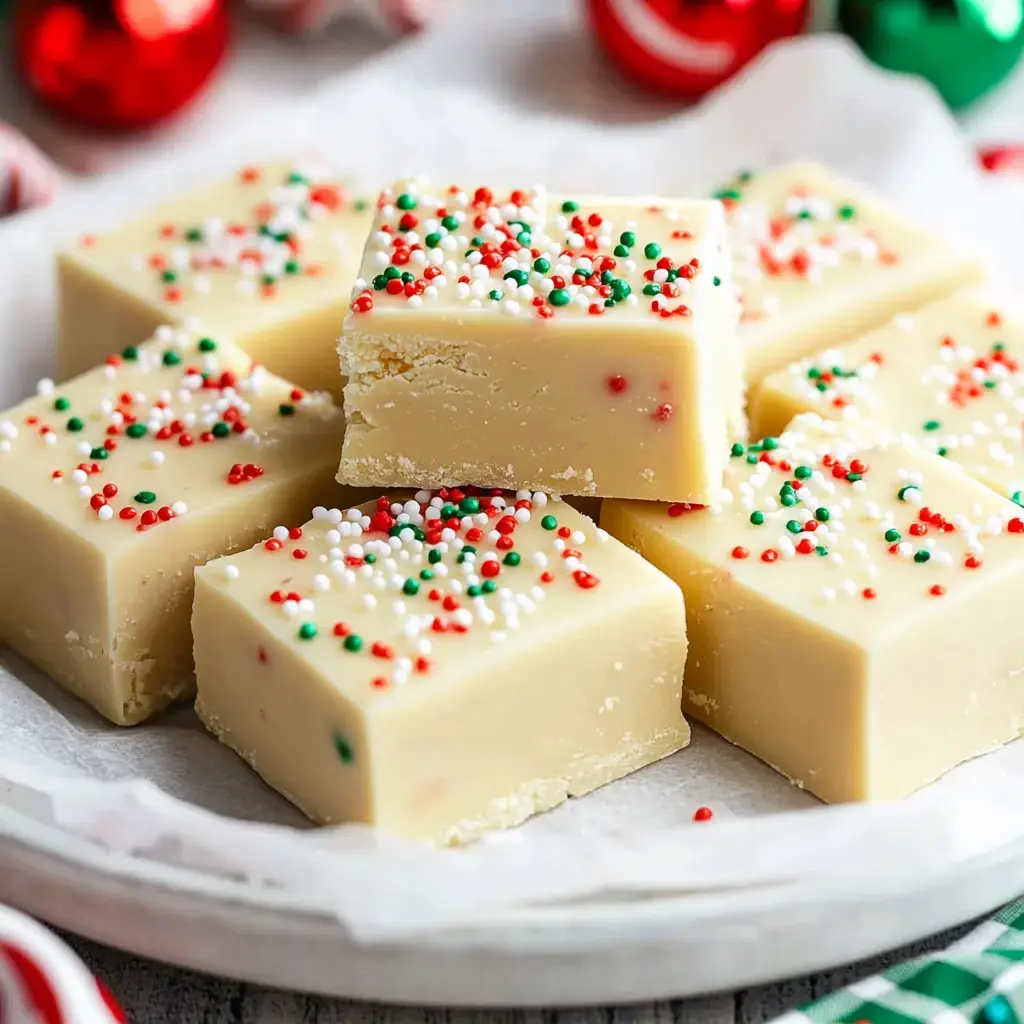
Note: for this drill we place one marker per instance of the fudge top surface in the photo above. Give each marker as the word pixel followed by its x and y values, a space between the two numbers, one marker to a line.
pixel 524 255
pixel 857 531
pixel 948 375
pixel 177 426
pixel 260 246
pixel 800 230
pixel 394 591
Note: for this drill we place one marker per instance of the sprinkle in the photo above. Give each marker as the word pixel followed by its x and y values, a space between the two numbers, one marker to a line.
pixel 703 814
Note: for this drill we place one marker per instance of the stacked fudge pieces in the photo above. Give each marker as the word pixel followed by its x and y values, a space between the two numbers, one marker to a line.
pixel 458 648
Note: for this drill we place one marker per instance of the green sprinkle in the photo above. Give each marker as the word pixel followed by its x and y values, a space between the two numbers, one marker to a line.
pixel 652 289
pixel 622 251
pixel 477 240
pixel 433 240
pixel 206 345
pixel 171 358
pixel 716 280
pixel 75 424
pixel 399 528
pixel 620 289
pixel 295 178
pixel 823 515
pixel 932 424
pixel 725 193
pixel 941 450
pixel 512 558
pixel 406 202
pixel 61 405
pixel 434 556
pixel 821 386
pixel 541 265
pixel 411 587
pixel 380 282
pixel 770 444
pixel 989 384
pixel 284 409
pixel 519 276
pixel 145 497
pixel 194 235
pixel 757 518
pixel 494 295
pixel 921 557
pixel 474 591
pixel 269 279
pixel 307 631
pixel 407 277
pixel 846 212
pixel 131 353
pixel 802 472
pixel 559 297
pixel 998 347
pixel 524 238
pixel 652 250
pixel 789 499
pixel 343 749
pixel 752 459
pixel 136 430
pixel 361 204
pixel 448 510
pixel 470 505
pixel 1017 498
pixel 99 453
pixel 819 550
pixel 168 277
pixel 794 527
pixel 737 450
pixel 569 206
pixel 353 642
pixel 391 272
pixel 426 574
pixel 370 558
pixel 628 238
pixel 291 267
pixel 902 492
pixel 854 477
pixel 814 373
pixel 489 586
pixel 744 176
pixel 549 522
pixel 449 223
pixel 805 215
pixel 220 429
pixel 893 536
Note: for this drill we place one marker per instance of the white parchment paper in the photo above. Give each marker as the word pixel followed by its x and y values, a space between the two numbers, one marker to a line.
pixel 167 792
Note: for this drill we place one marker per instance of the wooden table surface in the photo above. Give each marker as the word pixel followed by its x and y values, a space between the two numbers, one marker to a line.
pixel 153 993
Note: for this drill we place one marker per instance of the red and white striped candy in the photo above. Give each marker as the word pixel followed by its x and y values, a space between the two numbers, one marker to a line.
pixel 43 982
pixel 27 178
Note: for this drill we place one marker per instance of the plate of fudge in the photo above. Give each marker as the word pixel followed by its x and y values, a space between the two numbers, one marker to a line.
pixel 613 574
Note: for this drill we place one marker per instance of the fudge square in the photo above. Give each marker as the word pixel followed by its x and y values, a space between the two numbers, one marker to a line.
pixel 578 346
pixel 116 484
pixel 441 665
pixel 949 376
pixel 852 608
pixel 264 258
pixel 818 260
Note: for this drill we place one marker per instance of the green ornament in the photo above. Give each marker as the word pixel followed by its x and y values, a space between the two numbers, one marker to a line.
pixel 963 47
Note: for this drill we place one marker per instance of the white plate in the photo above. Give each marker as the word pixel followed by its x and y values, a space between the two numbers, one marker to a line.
pixel 600 953
pixel 604 911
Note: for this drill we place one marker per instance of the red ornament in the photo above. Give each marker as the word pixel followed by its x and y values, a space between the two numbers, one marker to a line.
pixel 687 47
pixel 118 64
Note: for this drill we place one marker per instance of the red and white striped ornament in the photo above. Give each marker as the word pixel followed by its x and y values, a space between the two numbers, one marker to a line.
pixel 43 982
pixel 27 178
pixel 687 47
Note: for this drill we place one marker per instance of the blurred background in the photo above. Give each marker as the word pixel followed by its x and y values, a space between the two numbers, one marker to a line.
pixel 87 86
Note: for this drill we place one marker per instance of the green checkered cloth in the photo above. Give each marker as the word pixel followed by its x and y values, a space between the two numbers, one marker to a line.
pixel 978 980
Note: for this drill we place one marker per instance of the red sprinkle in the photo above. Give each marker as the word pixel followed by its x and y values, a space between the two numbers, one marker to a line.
pixel 740 552
pixel 703 814
pixel 585 580
pixel 937 591
pixel 617 384
pixel 679 507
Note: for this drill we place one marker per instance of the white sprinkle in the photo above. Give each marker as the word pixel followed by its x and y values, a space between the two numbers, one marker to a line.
pixel 231 571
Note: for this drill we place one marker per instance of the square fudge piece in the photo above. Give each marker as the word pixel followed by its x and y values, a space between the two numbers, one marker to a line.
pixel 116 484
pixel 817 261
pixel 948 376
pixel 852 608
pixel 441 665
pixel 265 258
pixel 578 346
